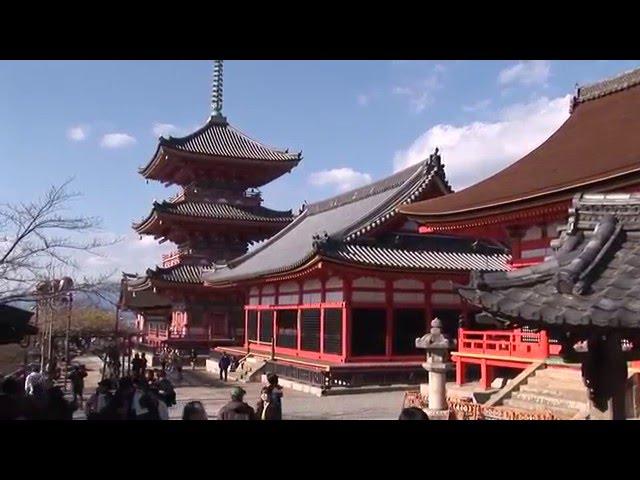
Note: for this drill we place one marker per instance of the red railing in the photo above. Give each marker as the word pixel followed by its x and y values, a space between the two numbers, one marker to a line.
pixel 195 333
pixel 506 343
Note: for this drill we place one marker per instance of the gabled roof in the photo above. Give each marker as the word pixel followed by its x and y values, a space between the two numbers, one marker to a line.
pixel 339 218
pixel 215 211
pixel 140 299
pixel 592 281
pixel 217 138
pixel 599 142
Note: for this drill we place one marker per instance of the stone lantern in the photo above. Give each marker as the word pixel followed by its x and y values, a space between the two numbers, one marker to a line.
pixel 438 347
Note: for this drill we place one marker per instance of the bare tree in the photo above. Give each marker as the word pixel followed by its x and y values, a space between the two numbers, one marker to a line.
pixel 41 239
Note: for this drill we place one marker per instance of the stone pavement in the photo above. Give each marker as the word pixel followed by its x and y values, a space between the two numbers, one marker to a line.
pixel 213 393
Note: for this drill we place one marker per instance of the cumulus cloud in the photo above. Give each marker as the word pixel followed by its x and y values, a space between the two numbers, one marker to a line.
pixel 474 151
pixel 165 130
pixel 77 133
pixel 420 94
pixel 131 254
pixel 342 179
pixel 526 73
pixel 117 140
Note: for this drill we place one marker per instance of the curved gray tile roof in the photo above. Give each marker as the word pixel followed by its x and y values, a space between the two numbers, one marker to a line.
pixel 219 138
pixel 593 280
pixel 419 259
pixel 336 217
pixel 224 211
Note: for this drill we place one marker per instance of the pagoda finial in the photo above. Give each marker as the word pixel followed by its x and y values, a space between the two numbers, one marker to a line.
pixel 216 90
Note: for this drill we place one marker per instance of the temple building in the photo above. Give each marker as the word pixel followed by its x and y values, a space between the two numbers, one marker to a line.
pixel 216 216
pixel 587 293
pixel 338 297
pixel 525 205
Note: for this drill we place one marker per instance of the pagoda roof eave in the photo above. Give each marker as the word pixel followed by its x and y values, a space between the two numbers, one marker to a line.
pixel 165 153
pixel 211 214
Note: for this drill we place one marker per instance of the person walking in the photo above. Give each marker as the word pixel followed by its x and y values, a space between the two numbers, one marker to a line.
pixel 58 408
pixel 136 365
pixel 165 389
pixel 237 408
pixel 177 364
pixel 143 365
pixel 33 379
pixel 275 393
pixel 266 408
pixel 223 365
pixel 77 377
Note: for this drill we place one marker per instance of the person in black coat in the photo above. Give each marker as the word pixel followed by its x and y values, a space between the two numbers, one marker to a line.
pixel 223 365
pixel 266 408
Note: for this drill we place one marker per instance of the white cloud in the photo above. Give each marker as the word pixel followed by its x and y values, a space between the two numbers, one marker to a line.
pixel 117 140
pixel 526 73
pixel 131 255
pixel 165 129
pixel 77 133
pixel 474 151
pixel 420 93
pixel 479 105
pixel 342 179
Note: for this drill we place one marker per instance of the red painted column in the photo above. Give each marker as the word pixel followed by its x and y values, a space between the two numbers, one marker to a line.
pixel 299 331
pixel 388 346
pixel 346 320
pixel 321 330
pixel 484 375
pixel 246 327
pixel 460 371
pixel 544 343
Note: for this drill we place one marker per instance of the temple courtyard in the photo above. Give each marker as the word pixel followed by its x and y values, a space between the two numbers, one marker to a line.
pixel 213 393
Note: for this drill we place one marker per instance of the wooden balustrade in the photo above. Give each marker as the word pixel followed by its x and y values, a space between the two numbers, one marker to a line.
pixel 504 343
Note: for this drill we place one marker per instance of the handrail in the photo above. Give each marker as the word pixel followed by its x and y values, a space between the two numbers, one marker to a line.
pixel 516 343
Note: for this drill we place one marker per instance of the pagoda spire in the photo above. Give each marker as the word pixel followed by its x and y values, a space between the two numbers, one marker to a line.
pixel 216 90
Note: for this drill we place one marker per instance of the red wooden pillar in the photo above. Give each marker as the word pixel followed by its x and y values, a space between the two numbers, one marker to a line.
pixel 460 371
pixel 346 320
pixel 388 345
pixel 246 327
pixel 486 375
pixel 299 331
pixel 544 343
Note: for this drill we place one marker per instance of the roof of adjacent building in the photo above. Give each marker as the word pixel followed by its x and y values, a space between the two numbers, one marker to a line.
pixel 598 142
pixel 333 227
pixel 140 299
pixel 592 281
pixel 14 324
pixel 178 274
pixel 216 211
pixel 217 138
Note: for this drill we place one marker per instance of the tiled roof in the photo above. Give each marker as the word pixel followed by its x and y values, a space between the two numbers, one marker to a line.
pixel 179 274
pixel 418 259
pixel 336 217
pixel 592 281
pixel 218 211
pixel 224 211
pixel 608 86
pixel 219 138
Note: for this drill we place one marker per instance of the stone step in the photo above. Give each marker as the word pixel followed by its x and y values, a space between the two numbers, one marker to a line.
pixel 579 395
pixel 549 400
pixel 565 373
pixel 555 383
pixel 563 413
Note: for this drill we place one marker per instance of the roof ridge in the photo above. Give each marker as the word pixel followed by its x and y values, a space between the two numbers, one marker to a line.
pixel 270 147
pixel 608 86
pixel 386 183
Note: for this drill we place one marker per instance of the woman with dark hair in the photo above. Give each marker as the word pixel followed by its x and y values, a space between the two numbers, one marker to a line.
pixel 194 411
pixel 413 413
pixel 266 409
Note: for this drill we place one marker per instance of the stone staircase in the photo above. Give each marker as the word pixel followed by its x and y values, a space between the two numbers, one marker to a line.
pixel 249 368
pixel 559 391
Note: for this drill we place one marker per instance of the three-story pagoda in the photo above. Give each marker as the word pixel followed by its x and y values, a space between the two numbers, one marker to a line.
pixel 215 217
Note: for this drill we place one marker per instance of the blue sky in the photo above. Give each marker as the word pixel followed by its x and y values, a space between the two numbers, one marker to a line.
pixel 355 121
